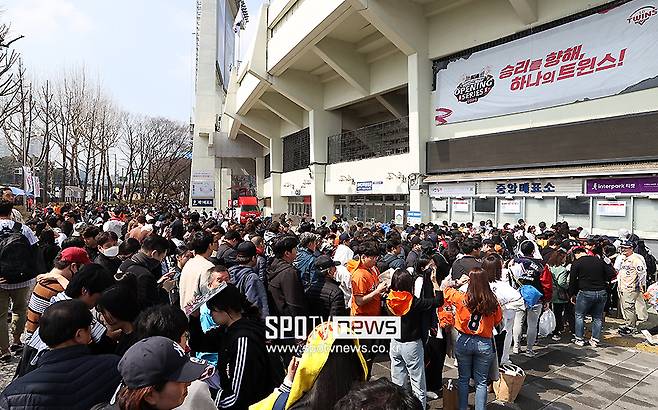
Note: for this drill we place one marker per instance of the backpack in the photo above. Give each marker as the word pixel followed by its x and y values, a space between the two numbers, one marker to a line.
pixel 650 260
pixel 16 256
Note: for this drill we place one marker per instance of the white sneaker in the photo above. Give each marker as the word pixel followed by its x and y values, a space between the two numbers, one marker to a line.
pixel 515 350
pixel 579 342
pixel 650 339
pixel 530 353
pixel 431 396
pixel 594 343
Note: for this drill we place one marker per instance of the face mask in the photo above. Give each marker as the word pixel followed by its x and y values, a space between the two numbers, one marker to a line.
pixel 111 252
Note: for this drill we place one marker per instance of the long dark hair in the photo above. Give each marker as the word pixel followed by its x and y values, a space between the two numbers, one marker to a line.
pixel 480 300
pixel 340 373
pixel 402 281
pixel 231 300
pixel 493 266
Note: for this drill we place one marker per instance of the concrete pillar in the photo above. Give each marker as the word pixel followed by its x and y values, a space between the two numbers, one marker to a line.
pixel 420 83
pixel 322 124
pixel 279 203
pixel 260 178
pixel 224 187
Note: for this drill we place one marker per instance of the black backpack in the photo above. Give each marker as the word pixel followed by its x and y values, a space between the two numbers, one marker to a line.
pixel 16 256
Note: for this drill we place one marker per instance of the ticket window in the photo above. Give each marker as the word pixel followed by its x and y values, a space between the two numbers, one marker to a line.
pixel 510 211
pixel 645 222
pixel 575 211
pixel 484 209
pixel 540 210
pixel 610 216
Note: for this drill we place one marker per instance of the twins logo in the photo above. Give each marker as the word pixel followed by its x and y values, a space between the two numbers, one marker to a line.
pixel 641 15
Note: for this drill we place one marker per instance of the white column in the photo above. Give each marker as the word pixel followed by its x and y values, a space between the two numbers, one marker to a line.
pixel 420 81
pixel 322 124
pixel 260 178
pixel 279 203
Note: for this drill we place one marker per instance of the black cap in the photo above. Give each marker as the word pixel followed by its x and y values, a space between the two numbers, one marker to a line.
pixel 157 359
pixel 626 244
pixel 344 236
pixel 246 249
pixel 415 240
pixel 324 262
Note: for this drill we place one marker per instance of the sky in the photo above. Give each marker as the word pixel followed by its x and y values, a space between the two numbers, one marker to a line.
pixel 141 51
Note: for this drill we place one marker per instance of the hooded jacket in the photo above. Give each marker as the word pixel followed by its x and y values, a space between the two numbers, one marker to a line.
pixel 243 365
pixel 390 261
pixel 411 310
pixel 246 280
pixel 67 378
pixel 285 289
pixel 305 265
pixel 147 271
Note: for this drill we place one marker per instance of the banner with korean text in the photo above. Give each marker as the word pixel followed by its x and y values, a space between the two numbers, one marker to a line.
pixel 604 54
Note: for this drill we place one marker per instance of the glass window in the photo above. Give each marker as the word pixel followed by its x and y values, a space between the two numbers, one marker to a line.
pixel 578 206
pixel 485 205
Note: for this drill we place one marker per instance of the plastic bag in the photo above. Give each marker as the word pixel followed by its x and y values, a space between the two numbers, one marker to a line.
pixel 547 323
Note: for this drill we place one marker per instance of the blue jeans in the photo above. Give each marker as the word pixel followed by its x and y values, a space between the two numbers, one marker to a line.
pixel 474 357
pixel 590 302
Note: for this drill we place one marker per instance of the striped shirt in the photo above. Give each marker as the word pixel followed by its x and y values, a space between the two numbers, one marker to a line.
pixel 97 332
pixel 39 301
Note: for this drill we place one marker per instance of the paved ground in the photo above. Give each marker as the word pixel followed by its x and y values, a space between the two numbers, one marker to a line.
pixel 621 374
pixel 564 376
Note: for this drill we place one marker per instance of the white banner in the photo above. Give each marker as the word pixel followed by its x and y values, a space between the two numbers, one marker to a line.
pixel 439 205
pixel 510 207
pixel 460 205
pixel 27 180
pixel 597 56
pixel 611 208
pixel 36 184
pixel 451 189
pixel 399 216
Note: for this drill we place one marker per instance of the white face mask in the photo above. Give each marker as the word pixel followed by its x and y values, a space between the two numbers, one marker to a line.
pixel 111 252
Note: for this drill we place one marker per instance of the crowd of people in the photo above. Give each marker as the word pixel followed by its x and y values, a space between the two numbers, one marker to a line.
pixel 160 307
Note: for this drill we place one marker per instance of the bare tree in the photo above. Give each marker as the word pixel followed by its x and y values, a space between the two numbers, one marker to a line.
pixel 9 87
pixel 71 116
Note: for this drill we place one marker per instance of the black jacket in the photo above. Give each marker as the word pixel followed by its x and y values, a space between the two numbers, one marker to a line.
pixel 464 266
pixel 589 273
pixel 67 378
pixel 411 327
pixel 243 364
pixel 285 289
pixel 47 254
pixel 110 264
pixel 147 271
pixel 226 255
pixel 325 299
pixel 412 256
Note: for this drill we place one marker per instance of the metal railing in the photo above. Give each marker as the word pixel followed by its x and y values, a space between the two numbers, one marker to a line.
pixel 377 140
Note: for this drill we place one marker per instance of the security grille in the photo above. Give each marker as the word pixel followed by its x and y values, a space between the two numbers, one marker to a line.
pixel 378 140
pixel 297 150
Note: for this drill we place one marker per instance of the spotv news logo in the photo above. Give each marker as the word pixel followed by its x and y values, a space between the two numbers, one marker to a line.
pixel 342 327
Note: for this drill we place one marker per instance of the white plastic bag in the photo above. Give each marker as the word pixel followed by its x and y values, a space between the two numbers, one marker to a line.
pixel 546 323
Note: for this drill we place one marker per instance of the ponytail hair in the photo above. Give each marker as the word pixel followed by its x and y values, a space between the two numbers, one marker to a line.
pixel 231 300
